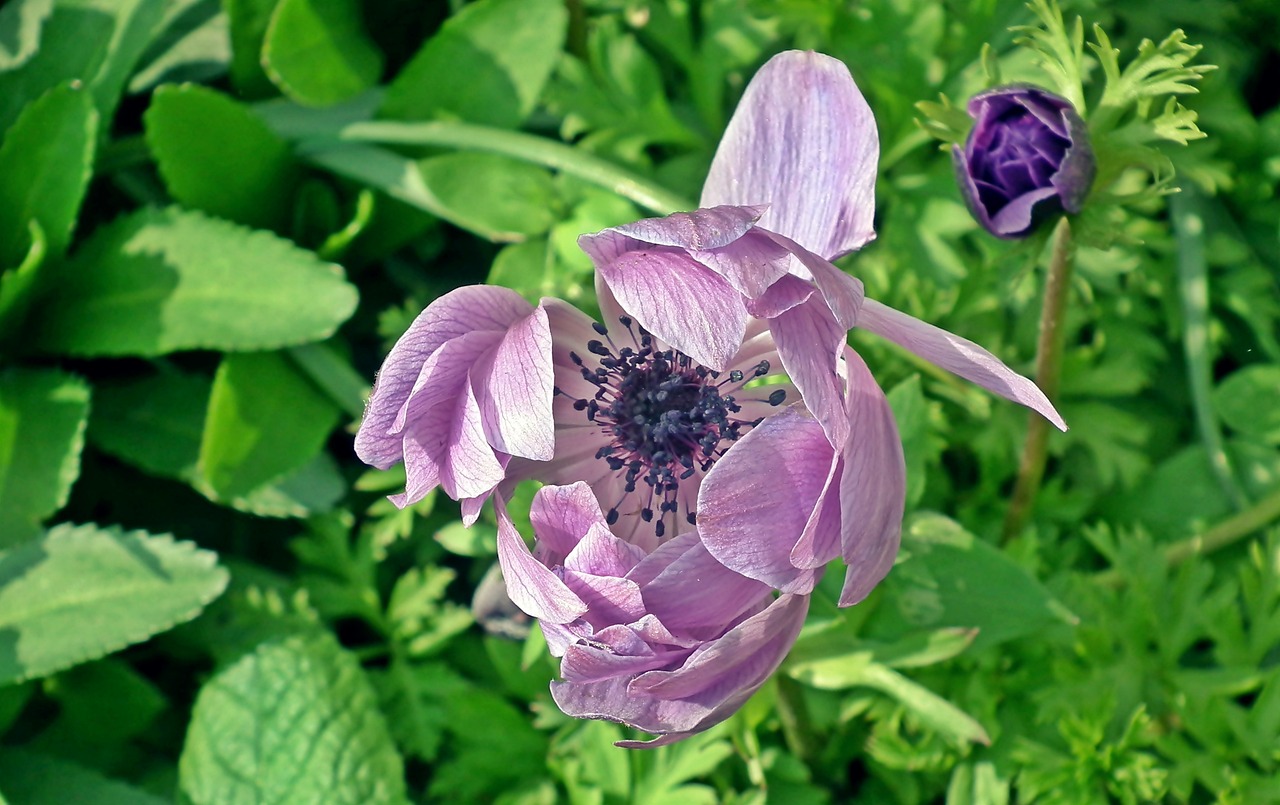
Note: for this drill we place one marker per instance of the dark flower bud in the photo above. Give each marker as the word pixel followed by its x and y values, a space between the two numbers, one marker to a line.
pixel 1027 159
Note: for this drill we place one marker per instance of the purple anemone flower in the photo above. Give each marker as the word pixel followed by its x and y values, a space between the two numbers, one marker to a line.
pixel 1027 158
pixel 663 638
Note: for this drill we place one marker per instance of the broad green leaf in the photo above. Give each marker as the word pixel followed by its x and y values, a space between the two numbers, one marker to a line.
pixel 953 579
pixel 317 51
pixel 505 49
pixel 528 268
pixel 1249 401
pixel 911 412
pixel 28 778
pixel 194 46
pixel 20 23
pixel 18 286
pixel 494 196
pixel 162 280
pixel 46 162
pixel 81 592
pixel 295 721
pixel 217 156
pixel 95 42
pixel 43 413
pixel 265 420
pixel 248 21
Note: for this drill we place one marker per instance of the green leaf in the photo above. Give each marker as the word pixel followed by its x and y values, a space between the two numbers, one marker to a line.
pixel 20 24
pixel 82 592
pixel 494 196
pixel 158 281
pixel 28 778
pixel 953 579
pixel 248 21
pixel 194 46
pixel 506 50
pixel 317 51
pixel 95 42
pixel 265 419
pixel 218 156
pixel 43 413
pixel 1248 400
pixel 930 708
pixel 295 721
pixel 46 162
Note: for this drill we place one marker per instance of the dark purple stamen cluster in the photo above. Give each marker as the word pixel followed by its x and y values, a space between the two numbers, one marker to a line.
pixel 666 416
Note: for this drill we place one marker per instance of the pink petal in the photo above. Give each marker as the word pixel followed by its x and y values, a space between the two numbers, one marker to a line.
pixel 751 264
pixel 872 487
pixel 475 307
pixel 680 301
pixel 530 584
pixel 819 543
pixel 842 293
pixel 516 389
pixel 809 342
pixel 603 554
pixel 695 592
pixel 738 662
pixel 610 600
pixel 804 141
pixel 756 501
pixel 470 467
pixel 587 662
pixel 783 295
pixel 563 515
pixel 697 230
pixel 957 355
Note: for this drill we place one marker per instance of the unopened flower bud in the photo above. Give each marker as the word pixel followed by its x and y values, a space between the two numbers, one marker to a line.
pixel 1027 159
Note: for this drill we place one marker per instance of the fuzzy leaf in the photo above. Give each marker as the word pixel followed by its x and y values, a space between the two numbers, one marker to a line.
pixel 162 280
pixel 82 592
pixel 42 421
pixel 295 721
pixel 217 156
pixel 318 53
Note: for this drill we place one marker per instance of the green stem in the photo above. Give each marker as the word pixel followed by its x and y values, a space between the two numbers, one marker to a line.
pixel 794 715
pixel 526 147
pixel 1193 287
pixel 1048 373
pixel 1224 534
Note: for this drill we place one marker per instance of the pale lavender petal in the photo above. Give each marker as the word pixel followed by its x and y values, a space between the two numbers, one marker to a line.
pixel 751 264
pixel 530 584
pixel 475 307
pixel 470 467
pixel 610 600
pixel 697 230
pixel 661 557
pixel 562 515
pixel 754 504
pixel 695 593
pixel 610 700
pixel 842 293
pixel 601 553
pixel 810 342
pixel 783 295
pixel 872 488
pixel 680 301
pixel 516 389
pixel 819 543
pixel 804 141
pixel 957 355
pixel 737 662
pixel 587 662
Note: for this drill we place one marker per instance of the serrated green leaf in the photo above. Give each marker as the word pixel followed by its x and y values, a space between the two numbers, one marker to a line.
pixel 95 42
pixel 20 24
pixel 28 778
pixel 264 420
pixel 506 49
pixel 82 592
pixel 956 580
pixel 46 159
pixel 295 721
pixel 158 281
pixel 43 413
pixel 317 51
pixel 218 156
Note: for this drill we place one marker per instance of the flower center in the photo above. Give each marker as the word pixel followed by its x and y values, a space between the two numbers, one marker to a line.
pixel 665 417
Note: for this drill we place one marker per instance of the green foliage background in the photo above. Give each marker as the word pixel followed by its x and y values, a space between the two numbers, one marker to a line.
pixel 216 217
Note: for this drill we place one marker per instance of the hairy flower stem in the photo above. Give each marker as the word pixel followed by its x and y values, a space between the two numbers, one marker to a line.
pixel 1222 535
pixel 1048 373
